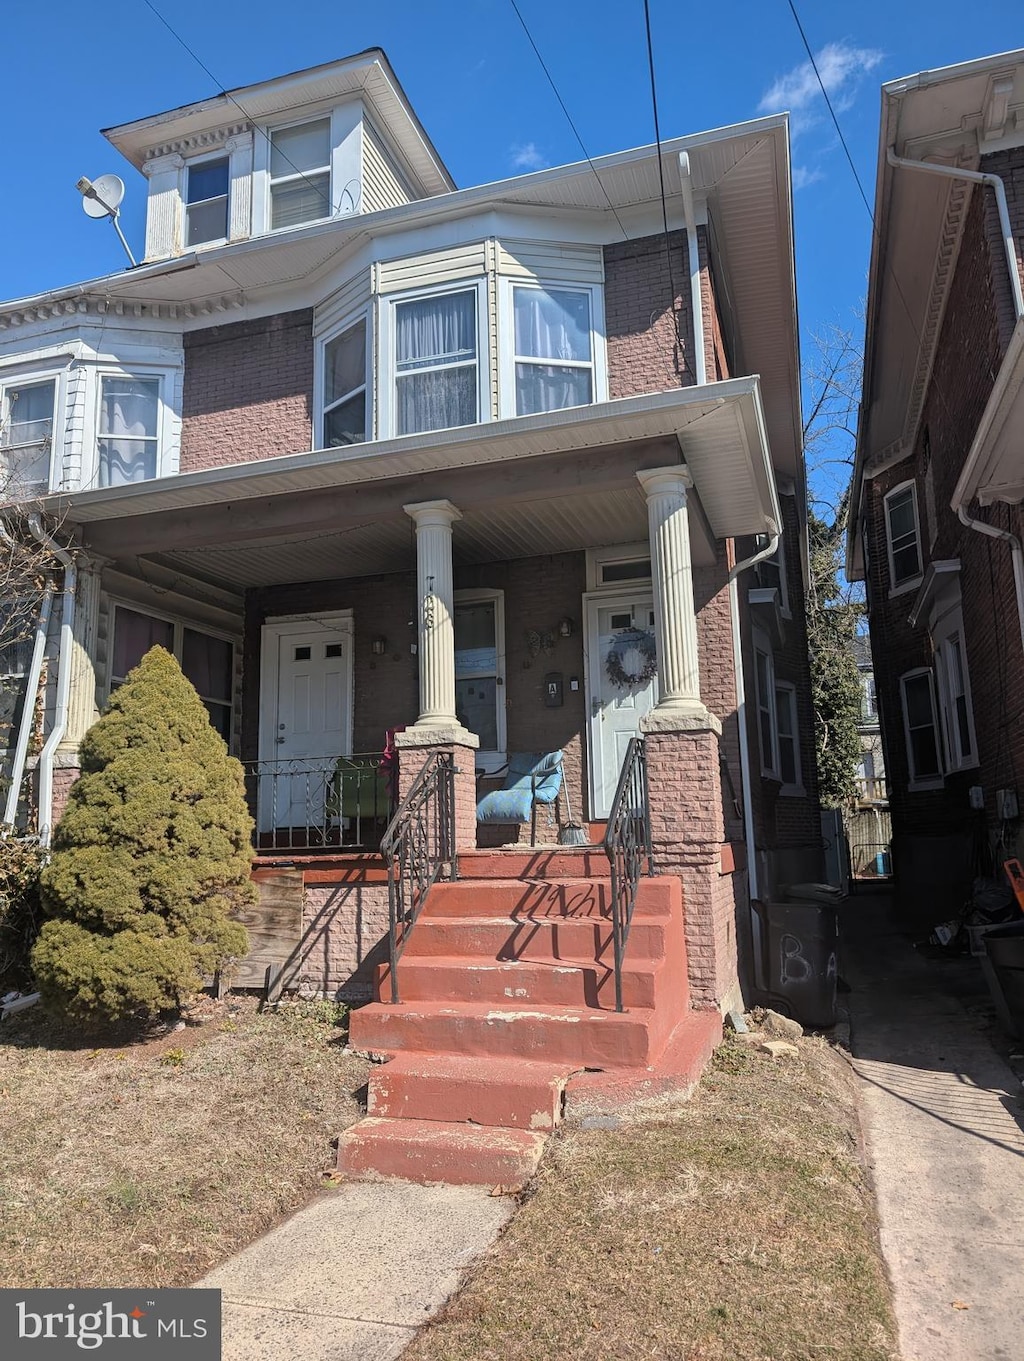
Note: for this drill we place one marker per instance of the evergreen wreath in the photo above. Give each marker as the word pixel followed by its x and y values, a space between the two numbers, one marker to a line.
pixel 632 659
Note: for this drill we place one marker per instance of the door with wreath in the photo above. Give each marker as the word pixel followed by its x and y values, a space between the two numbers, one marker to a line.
pixel 623 682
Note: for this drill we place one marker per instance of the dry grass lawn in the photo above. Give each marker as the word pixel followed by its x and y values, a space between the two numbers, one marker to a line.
pixel 146 1164
pixel 737 1227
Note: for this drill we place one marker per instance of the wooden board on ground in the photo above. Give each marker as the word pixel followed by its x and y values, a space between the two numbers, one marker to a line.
pixel 275 928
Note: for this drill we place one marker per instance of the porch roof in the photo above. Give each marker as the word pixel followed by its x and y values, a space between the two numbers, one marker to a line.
pixel 717 430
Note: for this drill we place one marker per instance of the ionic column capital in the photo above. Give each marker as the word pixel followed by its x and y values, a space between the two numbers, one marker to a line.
pixel 659 481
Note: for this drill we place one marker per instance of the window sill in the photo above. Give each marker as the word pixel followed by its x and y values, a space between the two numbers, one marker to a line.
pixel 912 584
pixel 923 786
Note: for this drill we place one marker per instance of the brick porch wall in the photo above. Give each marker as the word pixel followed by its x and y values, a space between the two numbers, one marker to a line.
pixel 344 938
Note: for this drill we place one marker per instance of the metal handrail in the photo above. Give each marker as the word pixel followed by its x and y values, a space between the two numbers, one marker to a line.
pixel 418 848
pixel 627 844
pixel 315 803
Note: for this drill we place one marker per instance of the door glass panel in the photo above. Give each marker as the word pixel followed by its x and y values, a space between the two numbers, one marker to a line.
pixel 475 645
pixel 476 707
pixel 303 654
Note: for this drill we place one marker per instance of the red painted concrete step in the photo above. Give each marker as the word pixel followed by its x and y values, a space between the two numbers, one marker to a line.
pixel 583 862
pixel 575 941
pixel 510 1093
pixel 439 1151
pixel 541 981
pixel 564 898
pixel 572 1035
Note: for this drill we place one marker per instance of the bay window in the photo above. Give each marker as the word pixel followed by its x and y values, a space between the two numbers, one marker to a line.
pixel 436 362
pixel 26 435
pixel 553 351
pixel 128 431
pixel 345 388
pixel 300 173
pixel 206 659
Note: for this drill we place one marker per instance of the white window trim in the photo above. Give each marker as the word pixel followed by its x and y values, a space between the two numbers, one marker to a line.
pixel 167 447
pixel 949 625
pixel 218 154
pixel 387 375
pixel 916 784
pixel 22 378
pixel 364 315
pixel 769 761
pixel 507 338
pixel 795 789
pixel 179 624
pixel 599 558
pixel 909 583
pixel 490 761
pixel 265 135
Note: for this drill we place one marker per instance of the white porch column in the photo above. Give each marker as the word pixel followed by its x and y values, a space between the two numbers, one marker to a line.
pixel 435 613
pixel 82 708
pixel 672 572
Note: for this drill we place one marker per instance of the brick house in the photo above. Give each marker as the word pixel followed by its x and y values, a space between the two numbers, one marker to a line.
pixel 938 481
pixel 370 453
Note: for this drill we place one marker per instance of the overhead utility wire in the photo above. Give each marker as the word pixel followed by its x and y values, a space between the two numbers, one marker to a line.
pixel 568 116
pixel 661 180
pixel 244 112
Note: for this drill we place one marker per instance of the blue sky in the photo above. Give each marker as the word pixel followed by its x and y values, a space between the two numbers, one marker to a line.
pixel 476 84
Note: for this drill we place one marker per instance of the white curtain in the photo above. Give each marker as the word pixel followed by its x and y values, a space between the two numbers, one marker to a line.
pixel 128 430
pixel 552 325
pixel 435 351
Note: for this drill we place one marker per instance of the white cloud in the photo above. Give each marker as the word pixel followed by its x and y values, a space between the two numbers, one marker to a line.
pixel 803 176
pixel 527 157
pixel 841 66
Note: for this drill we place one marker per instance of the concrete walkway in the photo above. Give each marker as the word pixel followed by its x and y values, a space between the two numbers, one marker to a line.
pixel 353 1275
pixel 945 1145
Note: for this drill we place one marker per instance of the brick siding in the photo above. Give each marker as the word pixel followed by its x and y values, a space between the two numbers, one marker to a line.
pixel 247 391
pixel 641 315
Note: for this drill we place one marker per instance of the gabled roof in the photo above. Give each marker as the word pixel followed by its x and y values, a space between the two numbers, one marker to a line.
pixel 367 74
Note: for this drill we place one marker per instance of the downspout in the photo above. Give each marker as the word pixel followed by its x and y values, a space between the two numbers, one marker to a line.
pixel 60 717
pixel 31 690
pixel 753 886
pixel 995 183
pixel 693 259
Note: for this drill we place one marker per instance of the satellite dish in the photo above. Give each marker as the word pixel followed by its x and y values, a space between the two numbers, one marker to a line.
pixel 105 198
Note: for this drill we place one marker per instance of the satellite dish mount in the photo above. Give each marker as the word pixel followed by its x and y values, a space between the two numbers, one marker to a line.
pixel 102 198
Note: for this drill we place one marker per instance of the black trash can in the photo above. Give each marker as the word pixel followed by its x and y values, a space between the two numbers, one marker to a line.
pixel 803 952
pixel 1004 946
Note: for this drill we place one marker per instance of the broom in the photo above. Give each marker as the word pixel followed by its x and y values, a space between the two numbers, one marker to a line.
pixel 571 832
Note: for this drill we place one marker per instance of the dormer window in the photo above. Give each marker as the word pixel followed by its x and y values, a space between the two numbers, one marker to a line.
pixel 206 202
pixel 300 174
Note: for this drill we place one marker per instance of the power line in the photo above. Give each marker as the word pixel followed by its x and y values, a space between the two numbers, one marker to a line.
pixel 568 116
pixel 244 112
pixel 661 181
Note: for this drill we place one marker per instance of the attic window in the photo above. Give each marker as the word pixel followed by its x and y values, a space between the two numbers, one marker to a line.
pixel 206 202
pixel 300 174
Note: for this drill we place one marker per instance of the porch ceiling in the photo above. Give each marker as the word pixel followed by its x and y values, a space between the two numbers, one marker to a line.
pixel 554 524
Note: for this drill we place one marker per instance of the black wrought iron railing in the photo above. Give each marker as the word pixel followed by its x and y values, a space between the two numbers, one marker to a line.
pixel 627 843
pixel 316 803
pixel 419 849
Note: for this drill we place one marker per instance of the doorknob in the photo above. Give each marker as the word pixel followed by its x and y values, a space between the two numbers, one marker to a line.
pixel 280 741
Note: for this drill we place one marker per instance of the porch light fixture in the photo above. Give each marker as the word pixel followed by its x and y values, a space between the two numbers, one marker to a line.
pixel 565 628
pixel 379 646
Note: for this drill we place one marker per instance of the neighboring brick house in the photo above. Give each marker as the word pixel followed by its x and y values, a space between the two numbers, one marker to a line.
pixel 367 452
pixel 940 472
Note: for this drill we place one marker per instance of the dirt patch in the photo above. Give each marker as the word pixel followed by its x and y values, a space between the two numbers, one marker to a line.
pixel 736 1227
pixel 147 1162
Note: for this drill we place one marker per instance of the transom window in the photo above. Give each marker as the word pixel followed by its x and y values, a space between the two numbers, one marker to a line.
pixel 206 660
pixel 904 535
pixel 554 362
pixel 26 433
pixel 206 202
pixel 436 362
pixel 345 388
pixel 128 442
pixel 300 174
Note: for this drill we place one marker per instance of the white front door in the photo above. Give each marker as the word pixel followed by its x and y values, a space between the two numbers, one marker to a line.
pixel 622 623
pixel 306 717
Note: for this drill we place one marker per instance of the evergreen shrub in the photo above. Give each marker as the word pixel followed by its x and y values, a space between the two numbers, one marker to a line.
pixel 151 857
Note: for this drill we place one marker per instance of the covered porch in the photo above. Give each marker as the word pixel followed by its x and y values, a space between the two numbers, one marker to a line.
pixel 465 587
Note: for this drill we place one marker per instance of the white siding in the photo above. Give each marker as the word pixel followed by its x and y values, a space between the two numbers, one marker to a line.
pixel 384 185
pixel 345 302
pixel 464 261
pixel 565 263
